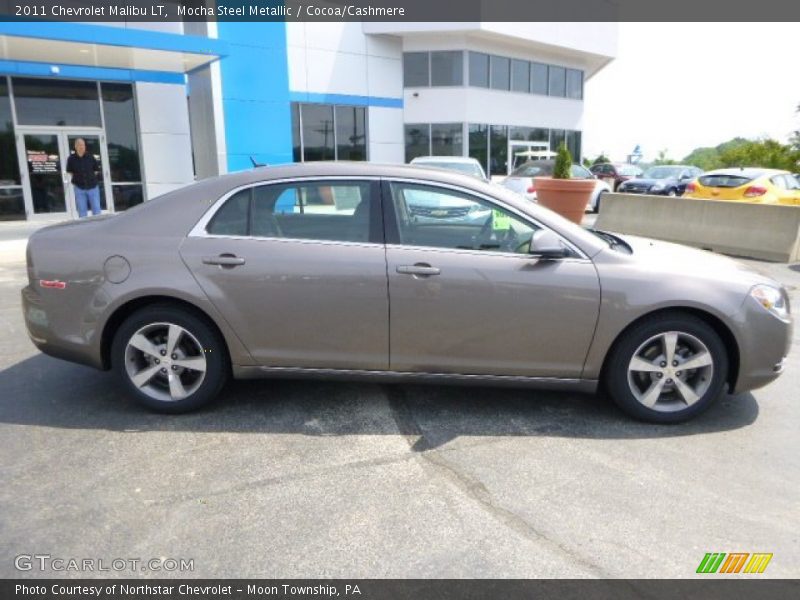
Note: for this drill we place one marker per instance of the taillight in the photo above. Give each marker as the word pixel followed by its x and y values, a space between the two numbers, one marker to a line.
pixel 531 189
pixel 691 187
pixel 52 284
pixel 754 191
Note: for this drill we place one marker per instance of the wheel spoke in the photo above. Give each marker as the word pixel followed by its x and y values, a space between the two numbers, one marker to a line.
pixel 686 391
pixel 144 376
pixel 641 365
pixel 702 359
pixel 141 343
pixel 176 389
pixel 173 335
pixel 193 363
pixel 651 396
pixel 670 341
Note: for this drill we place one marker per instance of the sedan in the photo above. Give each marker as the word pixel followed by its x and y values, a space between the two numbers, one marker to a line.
pixel 615 173
pixel 521 180
pixel 663 180
pixel 235 277
pixel 764 186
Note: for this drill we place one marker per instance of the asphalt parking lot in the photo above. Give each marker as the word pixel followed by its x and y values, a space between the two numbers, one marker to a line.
pixel 312 479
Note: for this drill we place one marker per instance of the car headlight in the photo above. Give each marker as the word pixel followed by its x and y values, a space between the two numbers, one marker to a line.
pixel 771 299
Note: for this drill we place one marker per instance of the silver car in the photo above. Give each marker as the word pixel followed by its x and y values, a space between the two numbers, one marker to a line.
pixel 327 270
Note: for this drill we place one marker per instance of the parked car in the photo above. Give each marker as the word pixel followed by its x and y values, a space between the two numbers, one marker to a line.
pixel 219 279
pixel 521 180
pixel 460 164
pixel 766 186
pixel 662 180
pixel 615 173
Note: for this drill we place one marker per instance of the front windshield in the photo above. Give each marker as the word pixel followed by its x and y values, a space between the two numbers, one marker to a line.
pixel 662 172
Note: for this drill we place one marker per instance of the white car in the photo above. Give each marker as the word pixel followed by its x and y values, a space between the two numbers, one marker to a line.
pixel 521 180
pixel 461 164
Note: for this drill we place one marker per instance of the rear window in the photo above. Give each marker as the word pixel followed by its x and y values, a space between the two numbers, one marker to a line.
pixel 533 170
pixel 724 181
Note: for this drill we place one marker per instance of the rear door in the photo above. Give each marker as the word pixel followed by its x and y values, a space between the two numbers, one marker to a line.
pixel 298 270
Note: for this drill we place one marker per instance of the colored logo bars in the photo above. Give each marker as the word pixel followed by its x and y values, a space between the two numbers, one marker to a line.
pixel 735 562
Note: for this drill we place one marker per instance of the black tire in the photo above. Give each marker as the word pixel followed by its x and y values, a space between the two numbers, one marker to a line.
pixel 617 381
pixel 597 202
pixel 672 193
pixel 207 342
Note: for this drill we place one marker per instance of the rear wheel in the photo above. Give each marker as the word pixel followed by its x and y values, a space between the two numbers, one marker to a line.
pixel 667 369
pixel 169 359
pixel 672 192
pixel 597 201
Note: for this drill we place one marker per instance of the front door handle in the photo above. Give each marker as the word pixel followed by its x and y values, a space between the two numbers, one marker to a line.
pixel 224 260
pixel 423 269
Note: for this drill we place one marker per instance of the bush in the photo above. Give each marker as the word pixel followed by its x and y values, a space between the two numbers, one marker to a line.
pixel 563 166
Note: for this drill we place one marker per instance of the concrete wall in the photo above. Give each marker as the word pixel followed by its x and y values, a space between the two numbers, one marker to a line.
pixel 763 231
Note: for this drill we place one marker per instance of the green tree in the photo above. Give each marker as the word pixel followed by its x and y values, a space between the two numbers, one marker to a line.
pixel 601 158
pixel 563 167
pixel 663 160
pixel 767 153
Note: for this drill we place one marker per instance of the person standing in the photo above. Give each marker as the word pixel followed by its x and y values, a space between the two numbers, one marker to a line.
pixel 84 168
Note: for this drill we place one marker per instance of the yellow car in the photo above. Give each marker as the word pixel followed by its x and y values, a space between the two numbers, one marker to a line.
pixel 766 186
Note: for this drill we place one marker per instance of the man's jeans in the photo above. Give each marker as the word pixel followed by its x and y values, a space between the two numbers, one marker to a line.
pixel 86 198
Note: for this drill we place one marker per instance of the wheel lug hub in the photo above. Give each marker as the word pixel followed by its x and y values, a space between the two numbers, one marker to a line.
pixel 158 362
pixel 659 375
pixel 669 380
pixel 674 363
pixel 163 353
pixel 664 364
pixel 174 368
pixel 163 370
pixel 174 357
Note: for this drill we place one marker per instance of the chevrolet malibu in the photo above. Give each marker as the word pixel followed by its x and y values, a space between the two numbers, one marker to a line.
pixel 327 270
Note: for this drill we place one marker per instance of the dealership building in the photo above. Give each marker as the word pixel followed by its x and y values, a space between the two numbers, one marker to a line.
pixel 162 105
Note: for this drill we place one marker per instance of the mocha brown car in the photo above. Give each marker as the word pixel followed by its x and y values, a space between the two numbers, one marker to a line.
pixel 395 273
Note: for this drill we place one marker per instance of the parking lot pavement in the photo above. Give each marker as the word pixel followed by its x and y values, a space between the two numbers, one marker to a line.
pixel 314 479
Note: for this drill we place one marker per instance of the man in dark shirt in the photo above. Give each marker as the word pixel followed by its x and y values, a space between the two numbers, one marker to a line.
pixel 83 167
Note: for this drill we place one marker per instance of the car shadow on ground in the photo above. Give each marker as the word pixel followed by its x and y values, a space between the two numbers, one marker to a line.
pixel 46 392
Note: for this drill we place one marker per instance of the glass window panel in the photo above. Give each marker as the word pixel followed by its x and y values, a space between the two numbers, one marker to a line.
pixel 574 84
pixel 121 136
pixel 417 140
pixel 498 150
pixel 558 81
pixel 351 133
pixel 56 102
pixel 479 144
pixel 557 136
pixel 574 145
pixel 539 78
pixel 297 155
pixel 232 217
pixel 44 173
pixel 447 68
pixel 447 139
pixel 415 69
pixel 479 69
pixel 500 72
pixel 520 76
pixel 9 165
pixel 12 204
pixel 126 196
pixel 318 134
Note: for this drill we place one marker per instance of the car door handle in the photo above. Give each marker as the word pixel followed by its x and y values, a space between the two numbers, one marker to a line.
pixel 418 269
pixel 223 260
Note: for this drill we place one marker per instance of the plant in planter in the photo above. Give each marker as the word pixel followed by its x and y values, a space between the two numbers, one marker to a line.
pixel 562 194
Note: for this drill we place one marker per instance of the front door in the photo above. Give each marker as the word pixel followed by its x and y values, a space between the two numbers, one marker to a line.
pixel 467 298
pixel 46 183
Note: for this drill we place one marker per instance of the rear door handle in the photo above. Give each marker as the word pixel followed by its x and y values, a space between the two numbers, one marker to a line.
pixel 223 260
pixel 423 269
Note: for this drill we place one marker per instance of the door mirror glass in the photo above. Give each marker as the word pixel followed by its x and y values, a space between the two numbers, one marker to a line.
pixel 546 244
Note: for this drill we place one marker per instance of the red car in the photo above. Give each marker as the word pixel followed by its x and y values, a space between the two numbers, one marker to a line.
pixel 615 173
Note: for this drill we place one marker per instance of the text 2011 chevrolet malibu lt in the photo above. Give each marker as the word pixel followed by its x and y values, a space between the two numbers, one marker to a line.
pixel 395 273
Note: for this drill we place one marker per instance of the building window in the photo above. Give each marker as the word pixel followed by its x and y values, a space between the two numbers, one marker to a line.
pixel 574 145
pixel 520 76
pixel 447 139
pixel 328 132
pixel 498 150
pixel 557 136
pixel 418 140
pixel 539 78
pixel 500 70
pixel 122 139
pixel 558 81
pixel 447 68
pixel 12 202
pixel 575 84
pixel 416 69
pixel 56 102
pixel 479 144
pixel 479 69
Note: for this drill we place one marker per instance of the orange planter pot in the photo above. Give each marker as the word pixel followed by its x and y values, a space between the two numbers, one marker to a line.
pixel 567 197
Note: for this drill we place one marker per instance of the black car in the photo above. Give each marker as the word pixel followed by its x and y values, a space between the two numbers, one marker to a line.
pixel 662 180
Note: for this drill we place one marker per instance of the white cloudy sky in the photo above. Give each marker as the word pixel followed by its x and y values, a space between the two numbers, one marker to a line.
pixel 677 86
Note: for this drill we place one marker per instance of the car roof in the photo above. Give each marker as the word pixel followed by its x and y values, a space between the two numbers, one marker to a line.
pixel 449 159
pixel 749 172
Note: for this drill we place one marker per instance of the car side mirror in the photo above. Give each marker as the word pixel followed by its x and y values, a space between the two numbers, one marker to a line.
pixel 546 244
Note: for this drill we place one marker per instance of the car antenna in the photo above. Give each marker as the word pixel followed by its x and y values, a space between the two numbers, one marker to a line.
pixel 257 164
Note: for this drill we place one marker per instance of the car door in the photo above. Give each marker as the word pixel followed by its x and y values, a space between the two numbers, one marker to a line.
pixel 298 270
pixel 467 297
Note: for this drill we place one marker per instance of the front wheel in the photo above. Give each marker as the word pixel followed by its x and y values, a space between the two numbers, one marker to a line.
pixel 667 369
pixel 169 359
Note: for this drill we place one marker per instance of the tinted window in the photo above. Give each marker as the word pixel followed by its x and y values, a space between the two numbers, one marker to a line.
pixel 121 136
pixel 435 217
pixel 558 81
pixel 520 76
pixel 297 149
pixel 9 167
pixel 479 143
pixel 351 133
pixel 498 150
pixel 727 181
pixel 539 78
pixel 418 139
pixel 318 132
pixel 500 72
pixel 415 69
pixel 56 102
pixel 574 84
pixel 447 68
pixel 479 69
pixel 446 139
pixel 574 144
pixel 579 172
pixel 232 217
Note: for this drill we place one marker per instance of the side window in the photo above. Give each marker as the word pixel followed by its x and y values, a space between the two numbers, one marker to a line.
pixel 336 211
pixel 443 218
pixel 232 218
pixel 779 182
pixel 579 172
